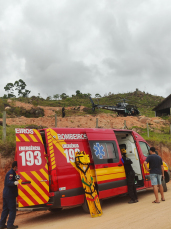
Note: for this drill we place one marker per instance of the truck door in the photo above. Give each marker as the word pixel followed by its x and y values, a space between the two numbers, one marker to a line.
pixel 109 170
pixel 143 151
pixel 33 188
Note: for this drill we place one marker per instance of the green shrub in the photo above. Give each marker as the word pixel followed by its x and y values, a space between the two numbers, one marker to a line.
pixel 7 149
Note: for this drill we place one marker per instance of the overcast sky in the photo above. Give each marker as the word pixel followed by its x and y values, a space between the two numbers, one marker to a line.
pixel 95 46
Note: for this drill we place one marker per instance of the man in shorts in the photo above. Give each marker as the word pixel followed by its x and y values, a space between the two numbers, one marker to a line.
pixel 156 171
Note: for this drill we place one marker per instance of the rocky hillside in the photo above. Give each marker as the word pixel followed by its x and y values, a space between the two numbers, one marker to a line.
pixel 109 120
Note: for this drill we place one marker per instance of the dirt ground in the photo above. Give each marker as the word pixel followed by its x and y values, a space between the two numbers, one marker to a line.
pixel 86 121
pixel 116 214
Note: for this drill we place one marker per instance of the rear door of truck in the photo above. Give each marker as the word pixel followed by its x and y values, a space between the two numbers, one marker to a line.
pixel 109 170
pixel 143 151
pixel 33 188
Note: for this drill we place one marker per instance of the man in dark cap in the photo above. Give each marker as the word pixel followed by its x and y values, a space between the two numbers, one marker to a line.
pixel 156 171
pixel 130 175
pixel 10 193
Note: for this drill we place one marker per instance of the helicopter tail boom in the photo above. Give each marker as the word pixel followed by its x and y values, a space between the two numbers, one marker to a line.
pixel 93 104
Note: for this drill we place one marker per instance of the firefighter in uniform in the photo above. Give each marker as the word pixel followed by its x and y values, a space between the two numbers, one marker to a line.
pixel 130 175
pixel 10 193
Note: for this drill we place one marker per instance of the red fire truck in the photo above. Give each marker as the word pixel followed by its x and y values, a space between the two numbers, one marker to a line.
pixel 48 174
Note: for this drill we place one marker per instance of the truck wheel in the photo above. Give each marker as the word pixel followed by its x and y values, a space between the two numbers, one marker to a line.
pixel 86 208
pixel 164 185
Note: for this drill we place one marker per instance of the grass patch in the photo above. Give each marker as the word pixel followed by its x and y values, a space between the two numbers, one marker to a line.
pixel 145 102
pixel 164 137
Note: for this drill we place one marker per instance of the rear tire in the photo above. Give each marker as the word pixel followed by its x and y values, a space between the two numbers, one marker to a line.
pixel 86 208
pixel 164 185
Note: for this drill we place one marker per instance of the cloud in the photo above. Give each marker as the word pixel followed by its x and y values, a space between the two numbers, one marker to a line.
pixel 93 46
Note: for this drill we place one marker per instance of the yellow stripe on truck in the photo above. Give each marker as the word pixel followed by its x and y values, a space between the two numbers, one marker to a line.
pixel 165 166
pixel 38 135
pixel 35 186
pixel 40 179
pixel 44 174
pixel 58 143
pixel 24 137
pixel 17 139
pixel 30 191
pixel 20 205
pixel 54 166
pixel 110 173
pixel 25 198
pixel 33 138
pixel 51 150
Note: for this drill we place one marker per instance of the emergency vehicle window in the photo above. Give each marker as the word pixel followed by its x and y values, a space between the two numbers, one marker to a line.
pixel 145 148
pixel 104 149
pixel 110 150
pixel 104 152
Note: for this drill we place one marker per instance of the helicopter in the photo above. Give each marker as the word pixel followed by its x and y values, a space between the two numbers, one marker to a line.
pixel 122 108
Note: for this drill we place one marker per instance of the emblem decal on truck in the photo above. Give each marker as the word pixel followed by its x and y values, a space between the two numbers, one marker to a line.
pixel 99 150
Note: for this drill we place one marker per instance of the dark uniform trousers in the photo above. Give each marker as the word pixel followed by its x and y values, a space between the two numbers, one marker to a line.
pixel 131 185
pixel 10 193
pixel 9 207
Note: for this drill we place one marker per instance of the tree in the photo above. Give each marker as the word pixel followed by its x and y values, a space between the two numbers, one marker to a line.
pixel 97 95
pixel 5 96
pixel 63 96
pixel 20 87
pixel 49 98
pixel 56 96
pixel 9 88
pixel 78 93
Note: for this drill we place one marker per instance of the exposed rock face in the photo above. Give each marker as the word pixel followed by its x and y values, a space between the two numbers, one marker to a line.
pixel 37 112
pixel 159 121
pixel 34 112
pixel 165 154
pixel 7 108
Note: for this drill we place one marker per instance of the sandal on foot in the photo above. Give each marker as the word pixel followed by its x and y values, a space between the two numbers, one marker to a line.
pixel 154 202
pixel 162 200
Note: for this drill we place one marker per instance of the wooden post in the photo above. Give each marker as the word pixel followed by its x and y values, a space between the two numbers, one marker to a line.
pixel 125 127
pixel 147 130
pixel 124 124
pixel 4 125
pixel 96 122
pixel 170 129
pixel 55 120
